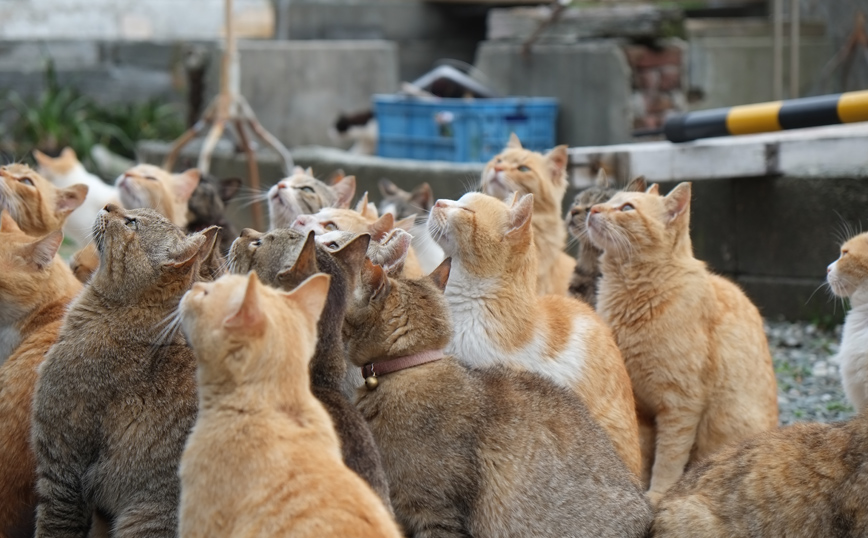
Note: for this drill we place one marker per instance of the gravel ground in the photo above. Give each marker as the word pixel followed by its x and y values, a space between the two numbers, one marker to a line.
pixel 809 379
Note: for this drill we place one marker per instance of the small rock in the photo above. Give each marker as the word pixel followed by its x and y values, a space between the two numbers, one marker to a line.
pixel 825 397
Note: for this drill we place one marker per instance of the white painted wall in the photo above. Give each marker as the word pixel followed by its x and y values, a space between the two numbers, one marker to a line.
pixel 130 19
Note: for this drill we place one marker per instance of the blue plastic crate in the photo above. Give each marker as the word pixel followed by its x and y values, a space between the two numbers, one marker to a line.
pixel 461 130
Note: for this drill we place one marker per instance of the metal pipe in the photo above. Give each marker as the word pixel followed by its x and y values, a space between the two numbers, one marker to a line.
pixel 778 50
pixel 795 50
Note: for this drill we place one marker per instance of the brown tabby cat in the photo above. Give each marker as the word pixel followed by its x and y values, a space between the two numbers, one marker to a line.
pixel 35 204
pixel 586 275
pixel 34 292
pixel 146 185
pixel 693 342
pixel 500 319
pixel 523 171
pixel 483 452
pixel 283 258
pixel 303 194
pixel 263 458
pixel 116 395
pixel 804 481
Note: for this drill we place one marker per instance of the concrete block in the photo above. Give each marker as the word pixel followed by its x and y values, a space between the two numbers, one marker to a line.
pixel 592 82
pixel 298 88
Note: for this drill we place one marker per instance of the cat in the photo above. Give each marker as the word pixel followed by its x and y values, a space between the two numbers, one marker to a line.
pixel 390 252
pixel 34 203
pixel 418 204
pixel 693 342
pixel 803 481
pixel 359 128
pixel 500 319
pixel 84 262
pixel 586 275
pixel 207 206
pixel 484 452
pixel 363 219
pixel 263 458
pixel 35 290
pixel 848 277
pixel 116 396
pixel 516 169
pixel 303 194
pixel 146 185
pixel 65 171
pixel 282 258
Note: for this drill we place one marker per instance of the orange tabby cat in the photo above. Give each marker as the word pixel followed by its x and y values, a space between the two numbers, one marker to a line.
pixel 146 185
pixel 363 219
pixel 37 206
pixel 693 342
pixel 34 292
pixel 516 169
pixel 500 319
pixel 263 458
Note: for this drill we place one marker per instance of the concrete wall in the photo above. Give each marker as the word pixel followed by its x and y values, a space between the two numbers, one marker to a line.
pixel 591 80
pixel 136 20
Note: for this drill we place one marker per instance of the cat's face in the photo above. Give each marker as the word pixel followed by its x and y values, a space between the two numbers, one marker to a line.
pixel 33 202
pixel 486 235
pixel 519 170
pixel 848 275
pixel 403 204
pixel 149 186
pixel 243 331
pixel 207 204
pixel 60 166
pixel 141 252
pixel 389 317
pixel 303 194
pixel 26 265
pixel 634 222
pixel 578 213
pixel 266 253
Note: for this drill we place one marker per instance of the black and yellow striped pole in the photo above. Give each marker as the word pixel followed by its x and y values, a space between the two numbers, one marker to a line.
pixel 767 117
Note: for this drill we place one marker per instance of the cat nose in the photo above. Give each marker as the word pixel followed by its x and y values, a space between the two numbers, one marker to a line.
pixel 498 168
pixel 440 204
pixel 281 186
pixel 111 208
pixel 596 209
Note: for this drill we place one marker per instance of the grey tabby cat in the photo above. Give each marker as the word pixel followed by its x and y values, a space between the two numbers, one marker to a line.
pixel 586 275
pixel 485 452
pixel 283 259
pixel 116 396
pixel 303 194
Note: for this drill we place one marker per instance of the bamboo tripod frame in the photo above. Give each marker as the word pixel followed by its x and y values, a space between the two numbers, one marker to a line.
pixel 230 109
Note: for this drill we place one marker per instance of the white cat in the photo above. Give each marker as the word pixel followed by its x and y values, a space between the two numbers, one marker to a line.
pixel 66 170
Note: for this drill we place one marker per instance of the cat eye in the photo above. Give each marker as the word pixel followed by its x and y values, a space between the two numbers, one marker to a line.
pixel 132 223
pixel 523 168
pixel 330 226
pixel 306 189
pixel 256 243
pixel 627 207
pixel 152 178
pixel 26 181
pixel 333 245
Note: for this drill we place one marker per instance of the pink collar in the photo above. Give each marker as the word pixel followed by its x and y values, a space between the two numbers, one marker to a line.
pixel 375 369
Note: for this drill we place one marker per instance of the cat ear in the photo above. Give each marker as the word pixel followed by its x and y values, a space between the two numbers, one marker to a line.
pixel 423 197
pixel 636 185
pixel 70 198
pixel 297 170
pixel 520 216
pixel 309 171
pixel 69 153
pixel 440 275
pixel 366 209
pixel 375 278
pixel 305 264
pixel 602 180
pixel 41 252
pixel 336 176
pixel 514 142
pixel 406 224
pixel 395 253
pixel 41 159
pixel 229 188
pixel 7 223
pixel 382 226
pixel 185 183
pixel 249 317
pixel 310 296
pixel 557 160
pixel 387 188
pixel 514 199
pixel 346 190
pixel 678 200
pixel 653 189
pixel 353 254
pixel 193 250
pixel 209 247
